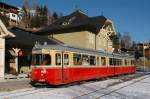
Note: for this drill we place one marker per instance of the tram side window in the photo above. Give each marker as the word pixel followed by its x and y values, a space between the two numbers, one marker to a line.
pixel 114 61
pixel 66 59
pixel 111 61
pixel 103 61
pixel 120 62
pixel 92 60
pixel 47 59
pixel 77 60
pixel 85 60
pixel 126 62
pixel 58 59
pixel 132 62
pixel 37 59
pixel 129 62
pixel 117 61
pixel 98 63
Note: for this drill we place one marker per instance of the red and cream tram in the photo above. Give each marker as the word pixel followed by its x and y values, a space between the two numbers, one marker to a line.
pixel 61 64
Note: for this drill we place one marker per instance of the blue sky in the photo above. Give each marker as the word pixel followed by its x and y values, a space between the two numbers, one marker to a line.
pixel 132 16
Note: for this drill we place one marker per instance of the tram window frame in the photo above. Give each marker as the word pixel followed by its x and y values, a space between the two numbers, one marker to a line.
pixel 117 62
pixel 85 59
pixel 77 59
pixel 92 60
pixel 120 62
pixel 103 61
pixel 98 60
pixel 37 59
pixel 129 62
pixel 114 61
pixel 58 59
pixel 125 62
pixel 111 63
pixel 48 61
pixel 66 59
pixel 132 62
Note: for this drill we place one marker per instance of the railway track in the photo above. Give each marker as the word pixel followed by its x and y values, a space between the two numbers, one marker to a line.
pixel 22 93
pixel 30 91
pixel 123 87
pixel 123 78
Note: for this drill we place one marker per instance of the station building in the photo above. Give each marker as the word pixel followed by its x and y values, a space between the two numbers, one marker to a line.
pixel 78 29
pixel 21 40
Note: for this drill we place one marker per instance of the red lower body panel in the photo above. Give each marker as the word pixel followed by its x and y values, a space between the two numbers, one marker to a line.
pixel 56 76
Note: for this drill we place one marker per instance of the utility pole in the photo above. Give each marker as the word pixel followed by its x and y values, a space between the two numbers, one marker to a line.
pixel 144 57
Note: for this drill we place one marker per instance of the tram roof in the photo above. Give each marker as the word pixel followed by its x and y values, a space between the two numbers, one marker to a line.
pixel 64 47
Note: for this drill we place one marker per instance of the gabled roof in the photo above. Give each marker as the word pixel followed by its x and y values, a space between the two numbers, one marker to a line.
pixel 77 21
pixel 26 39
pixel 7 5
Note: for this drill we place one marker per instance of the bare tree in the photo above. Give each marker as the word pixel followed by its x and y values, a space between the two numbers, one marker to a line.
pixel 126 41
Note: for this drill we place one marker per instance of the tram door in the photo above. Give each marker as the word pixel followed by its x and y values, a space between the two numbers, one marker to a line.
pixel 65 64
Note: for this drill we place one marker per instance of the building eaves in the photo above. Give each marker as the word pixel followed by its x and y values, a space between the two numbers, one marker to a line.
pixel 2 3
pixel 76 21
pixel 27 39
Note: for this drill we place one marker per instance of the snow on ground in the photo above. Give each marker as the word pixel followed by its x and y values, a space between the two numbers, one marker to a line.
pixel 131 90
pixel 134 89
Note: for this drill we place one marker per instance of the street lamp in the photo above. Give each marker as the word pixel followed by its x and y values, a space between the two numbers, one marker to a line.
pixel 144 56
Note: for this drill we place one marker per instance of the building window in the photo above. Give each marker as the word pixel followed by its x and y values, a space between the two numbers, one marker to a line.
pixel 13 15
pixel 58 59
pixel 65 23
pixel 103 61
pixel 77 60
pixel 66 59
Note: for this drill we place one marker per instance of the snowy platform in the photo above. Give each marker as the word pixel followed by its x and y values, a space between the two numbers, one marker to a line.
pixel 108 89
pixel 10 76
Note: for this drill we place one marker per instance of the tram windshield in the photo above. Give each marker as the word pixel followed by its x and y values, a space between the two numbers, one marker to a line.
pixel 41 59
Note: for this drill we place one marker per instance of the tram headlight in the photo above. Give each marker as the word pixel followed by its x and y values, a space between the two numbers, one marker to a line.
pixel 43 71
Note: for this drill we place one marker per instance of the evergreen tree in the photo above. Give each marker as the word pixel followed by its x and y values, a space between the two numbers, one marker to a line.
pixel 40 18
pixel 55 16
pixel 5 20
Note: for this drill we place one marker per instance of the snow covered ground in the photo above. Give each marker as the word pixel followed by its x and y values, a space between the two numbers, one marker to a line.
pixel 135 89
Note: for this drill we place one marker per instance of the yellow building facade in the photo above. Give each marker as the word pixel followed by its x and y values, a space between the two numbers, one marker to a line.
pixel 77 29
pixel 87 39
